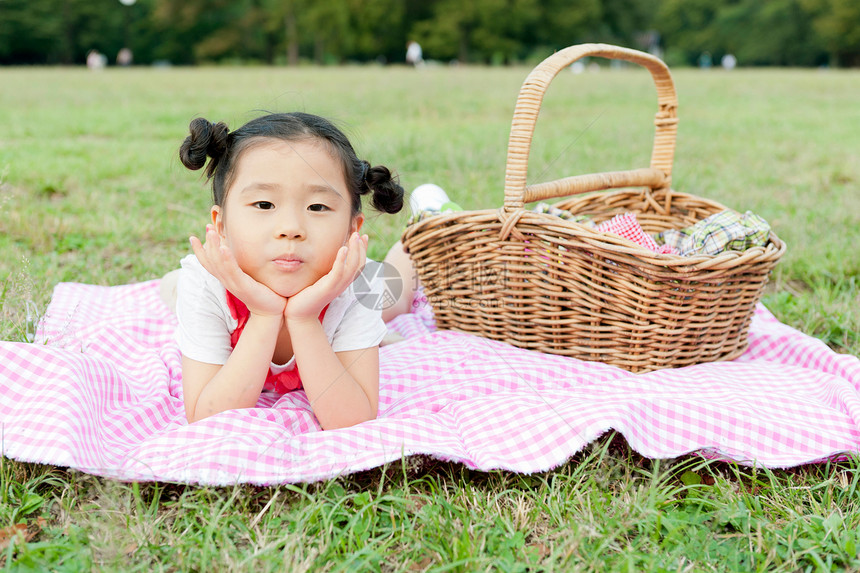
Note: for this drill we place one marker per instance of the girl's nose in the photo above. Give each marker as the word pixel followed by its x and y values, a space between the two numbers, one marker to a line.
pixel 290 227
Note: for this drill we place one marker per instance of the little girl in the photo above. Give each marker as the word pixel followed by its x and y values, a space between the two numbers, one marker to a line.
pixel 264 303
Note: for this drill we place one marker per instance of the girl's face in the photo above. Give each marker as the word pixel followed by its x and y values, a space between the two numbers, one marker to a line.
pixel 286 213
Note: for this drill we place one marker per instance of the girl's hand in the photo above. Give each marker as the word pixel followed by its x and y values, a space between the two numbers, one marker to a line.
pixel 308 303
pixel 218 259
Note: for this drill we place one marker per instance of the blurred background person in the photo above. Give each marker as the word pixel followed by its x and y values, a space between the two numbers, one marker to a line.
pixel 124 57
pixel 414 54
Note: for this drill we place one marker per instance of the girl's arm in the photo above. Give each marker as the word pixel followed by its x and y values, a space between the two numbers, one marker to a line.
pixel 212 388
pixel 343 387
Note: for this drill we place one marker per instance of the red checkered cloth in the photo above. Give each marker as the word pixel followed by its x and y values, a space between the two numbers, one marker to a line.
pixel 626 226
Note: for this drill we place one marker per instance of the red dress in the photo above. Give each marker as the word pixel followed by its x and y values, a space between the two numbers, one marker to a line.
pixel 282 382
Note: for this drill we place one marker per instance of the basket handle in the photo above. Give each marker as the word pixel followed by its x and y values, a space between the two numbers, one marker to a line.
pixel 657 176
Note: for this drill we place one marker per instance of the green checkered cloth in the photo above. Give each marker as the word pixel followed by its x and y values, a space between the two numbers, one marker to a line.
pixel 724 231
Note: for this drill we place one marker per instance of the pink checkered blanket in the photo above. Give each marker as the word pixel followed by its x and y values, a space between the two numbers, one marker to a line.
pixel 100 391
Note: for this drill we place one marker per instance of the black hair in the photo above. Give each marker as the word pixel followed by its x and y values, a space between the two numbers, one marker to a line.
pixel 224 147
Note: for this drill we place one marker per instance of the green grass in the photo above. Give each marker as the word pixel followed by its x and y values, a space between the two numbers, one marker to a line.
pixel 91 190
pixel 605 510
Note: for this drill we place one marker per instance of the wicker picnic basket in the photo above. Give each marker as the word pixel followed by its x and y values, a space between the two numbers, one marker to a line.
pixel 541 282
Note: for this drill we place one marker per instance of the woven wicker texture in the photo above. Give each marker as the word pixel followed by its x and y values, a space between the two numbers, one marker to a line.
pixel 544 283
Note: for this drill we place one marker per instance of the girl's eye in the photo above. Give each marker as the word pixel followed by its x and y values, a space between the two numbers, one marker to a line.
pixel 318 207
pixel 264 205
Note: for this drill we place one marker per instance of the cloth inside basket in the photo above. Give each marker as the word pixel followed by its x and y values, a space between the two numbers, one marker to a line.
pixel 100 391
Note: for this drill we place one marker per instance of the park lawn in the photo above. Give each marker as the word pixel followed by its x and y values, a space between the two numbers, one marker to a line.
pixel 91 190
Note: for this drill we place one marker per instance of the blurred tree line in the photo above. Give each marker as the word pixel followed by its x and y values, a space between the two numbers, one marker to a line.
pixel 757 32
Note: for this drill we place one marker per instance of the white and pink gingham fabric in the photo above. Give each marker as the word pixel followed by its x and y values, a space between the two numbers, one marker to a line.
pixel 100 391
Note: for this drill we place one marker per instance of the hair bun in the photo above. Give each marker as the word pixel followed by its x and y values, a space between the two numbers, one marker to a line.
pixel 387 192
pixel 206 139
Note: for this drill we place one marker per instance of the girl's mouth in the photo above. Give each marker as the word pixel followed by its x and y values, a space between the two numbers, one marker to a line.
pixel 289 263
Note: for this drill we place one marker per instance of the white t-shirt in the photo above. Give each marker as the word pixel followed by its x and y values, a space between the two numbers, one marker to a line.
pixel 206 323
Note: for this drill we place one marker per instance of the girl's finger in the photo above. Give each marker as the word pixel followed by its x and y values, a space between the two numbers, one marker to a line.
pixel 348 246
pixel 349 261
pixel 360 250
pixel 217 258
pixel 361 243
pixel 333 277
pixel 362 257
pixel 212 238
pixel 226 256
pixel 340 261
pixel 364 241
pixel 230 269
pixel 200 251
